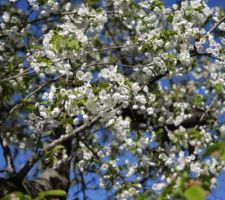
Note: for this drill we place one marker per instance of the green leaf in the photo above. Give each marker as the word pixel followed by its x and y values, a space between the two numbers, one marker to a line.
pixel 25 100
pixel 219 88
pixel 67 121
pixel 212 149
pixel 195 134
pixel 103 85
pixel 91 2
pixel 156 3
pixel 57 41
pixel 50 193
pixel 144 196
pixel 60 42
pixel 57 148
pixel 170 18
pixel 195 193
pixel 30 108
pixel 198 99
pixel 166 33
pixel 7 91
pixel 128 83
pixel 47 61
pixel 41 2
pixel 223 156
pixel 18 195
pixel 11 67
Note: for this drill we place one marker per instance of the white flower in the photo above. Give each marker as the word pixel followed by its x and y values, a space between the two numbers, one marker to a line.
pixel 87 76
pixel 80 75
pixel 131 171
pixel 158 186
pixel 44 13
pixel 105 73
pixel 150 111
pixel 82 11
pixel 104 166
pixel 135 107
pixel 55 112
pixel 135 88
pixel 93 107
pixel 147 71
pixel 75 121
pixel 103 95
pixel 6 17
pixel 81 37
pixel 184 57
pixel 87 155
pixel 68 6
pixel 120 79
pixel 196 168
pixel 67 67
pixel 50 54
pixel 116 96
pixel 133 191
pixel 141 99
pixel 43 114
pixel 178 120
pixel 112 76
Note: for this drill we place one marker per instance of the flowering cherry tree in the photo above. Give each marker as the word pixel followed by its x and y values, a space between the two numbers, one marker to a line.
pixel 123 96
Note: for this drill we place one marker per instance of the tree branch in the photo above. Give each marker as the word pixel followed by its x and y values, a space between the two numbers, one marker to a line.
pixel 216 25
pixel 83 188
pixel 108 48
pixel 26 168
pixel 20 104
pixel 7 153
pixel 25 72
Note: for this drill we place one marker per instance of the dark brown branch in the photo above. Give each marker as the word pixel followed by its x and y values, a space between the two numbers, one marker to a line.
pixel 83 188
pixel 195 53
pixel 7 153
pixel 88 146
pixel 51 15
pixel 30 163
pixel 216 25
pixel 139 120
pixel 26 168
pixel 157 78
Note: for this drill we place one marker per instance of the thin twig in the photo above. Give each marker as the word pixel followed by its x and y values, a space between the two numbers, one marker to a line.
pixel 16 76
pixel 206 111
pixel 217 24
pixel 20 104
pixel 208 55
pixel 108 48
pixel 88 146
pixel 58 15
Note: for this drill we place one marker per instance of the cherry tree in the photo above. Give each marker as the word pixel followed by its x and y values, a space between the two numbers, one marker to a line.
pixel 122 96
